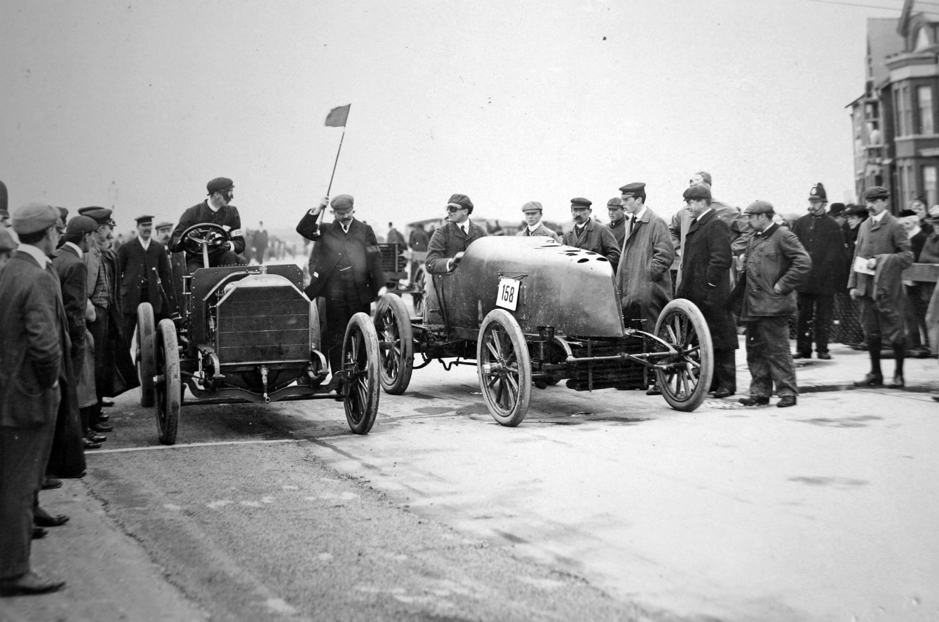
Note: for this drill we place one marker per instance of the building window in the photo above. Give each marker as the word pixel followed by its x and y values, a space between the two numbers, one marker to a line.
pixel 924 103
pixel 930 187
pixel 922 40
pixel 907 110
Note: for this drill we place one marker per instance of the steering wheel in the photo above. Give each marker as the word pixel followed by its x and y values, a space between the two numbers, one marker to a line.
pixel 210 234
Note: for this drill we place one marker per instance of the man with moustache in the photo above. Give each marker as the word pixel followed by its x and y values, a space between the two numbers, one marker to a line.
pixel 449 242
pixel 34 362
pixel 882 253
pixel 705 281
pixel 533 212
pixel 345 269
pixel 145 276
pixel 618 220
pixel 589 234
pixel 821 236
pixel 216 209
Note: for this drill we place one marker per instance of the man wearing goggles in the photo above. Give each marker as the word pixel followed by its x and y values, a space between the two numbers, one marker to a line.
pixel 450 241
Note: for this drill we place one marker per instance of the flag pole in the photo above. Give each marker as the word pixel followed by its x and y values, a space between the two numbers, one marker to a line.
pixel 330 120
pixel 330 187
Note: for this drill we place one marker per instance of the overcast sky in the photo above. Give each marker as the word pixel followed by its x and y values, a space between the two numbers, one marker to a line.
pixel 139 104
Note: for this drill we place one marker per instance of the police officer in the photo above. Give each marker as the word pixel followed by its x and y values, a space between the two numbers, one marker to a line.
pixel 533 212
pixel 216 209
pixel 775 265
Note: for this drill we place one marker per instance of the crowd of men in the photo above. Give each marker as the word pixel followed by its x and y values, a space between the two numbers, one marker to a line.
pixel 70 302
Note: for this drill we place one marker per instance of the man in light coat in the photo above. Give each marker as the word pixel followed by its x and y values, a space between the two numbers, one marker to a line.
pixel 775 265
pixel 882 253
pixel 533 213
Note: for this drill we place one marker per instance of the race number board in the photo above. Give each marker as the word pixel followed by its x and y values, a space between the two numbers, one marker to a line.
pixel 507 297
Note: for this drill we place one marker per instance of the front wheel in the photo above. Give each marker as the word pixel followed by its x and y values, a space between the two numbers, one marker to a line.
pixel 686 378
pixel 360 362
pixel 167 389
pixel 396 347
pixel 504 368
pixel 146 352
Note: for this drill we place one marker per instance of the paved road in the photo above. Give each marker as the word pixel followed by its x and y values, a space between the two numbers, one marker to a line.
pixel 604 505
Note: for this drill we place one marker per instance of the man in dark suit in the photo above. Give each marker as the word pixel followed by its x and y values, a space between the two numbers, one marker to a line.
pixel 34 344
pixel 216 209
pixel 705 281
pixel 345 269
pixel 145 276
pixel 164 231
pixel 449 242
pixel 591 235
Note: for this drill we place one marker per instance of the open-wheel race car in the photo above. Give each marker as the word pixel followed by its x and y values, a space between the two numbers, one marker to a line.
pixel 249 334
pixel 529 311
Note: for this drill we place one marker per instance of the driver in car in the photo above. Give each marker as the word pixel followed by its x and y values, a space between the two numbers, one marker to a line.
pixel 450 241
pixel 217 210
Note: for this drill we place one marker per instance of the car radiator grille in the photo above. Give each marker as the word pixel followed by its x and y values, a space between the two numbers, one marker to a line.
pixel 263 325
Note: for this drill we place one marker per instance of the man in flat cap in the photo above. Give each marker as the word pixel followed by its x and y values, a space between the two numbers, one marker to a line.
pixel 345 269
pixel 737 222
pixel 775 265
pixel 705 281
pixel 145 276
pixel 617 214
pixel 533 225
pixel 882 253
pixel 589 234
pixel 450 241
pixel 643 278
pixel 216 209
pixel 34 362
pixel 821 236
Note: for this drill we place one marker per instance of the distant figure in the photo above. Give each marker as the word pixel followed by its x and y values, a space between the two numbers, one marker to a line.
pixel 418 242
pixel 533 225
pixel 144 276
pixel 394 236
pixel 590 234
pixel 260 243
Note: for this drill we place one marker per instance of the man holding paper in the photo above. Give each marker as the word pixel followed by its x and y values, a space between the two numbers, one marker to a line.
pixel 882 254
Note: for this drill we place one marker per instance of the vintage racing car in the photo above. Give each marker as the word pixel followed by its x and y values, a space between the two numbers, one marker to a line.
pixel 249 334
pixel 529 311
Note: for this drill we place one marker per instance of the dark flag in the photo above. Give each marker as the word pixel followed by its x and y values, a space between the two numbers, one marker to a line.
pixel 337 116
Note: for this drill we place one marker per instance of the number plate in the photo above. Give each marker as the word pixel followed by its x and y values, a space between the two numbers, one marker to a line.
pixel 507 298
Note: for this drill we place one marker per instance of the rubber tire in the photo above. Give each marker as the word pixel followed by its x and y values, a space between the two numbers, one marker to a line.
pixel 689 334
pixel 146 352
pixel 360 357
pixel 393 325
pixel 500 337
pixel 169 393
pixel 417 295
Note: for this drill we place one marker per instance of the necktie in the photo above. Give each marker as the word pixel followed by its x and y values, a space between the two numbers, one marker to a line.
pixel 629 226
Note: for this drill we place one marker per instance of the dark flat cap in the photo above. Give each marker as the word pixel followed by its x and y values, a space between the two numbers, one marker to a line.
pixel 532 206
pixel 63 213
pixel 697 191
pixel 635 189
pixel 581 202
pixel 759 207
pixel 81 225
pixel 876 192
pixel 7 243
pixel 460 200
pixel 907 212
pixel 218 184
pixel 100 215
pixel 836 209
pixel 342 203
pixel 855 210
pixel 144 220
pixel 615 202
pixel 817 193
pixel 34 217
pixel 163 225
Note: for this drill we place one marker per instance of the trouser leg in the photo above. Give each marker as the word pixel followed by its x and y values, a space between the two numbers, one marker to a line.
pixel 23 457
pixel 804 323
pixel 870 323
pixel 775 331
pixel 899 353
pixel 129 326
pixel 725 368
pixel 824 306
pixel 761 384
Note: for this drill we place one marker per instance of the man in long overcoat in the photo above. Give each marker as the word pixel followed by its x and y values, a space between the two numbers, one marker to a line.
pixel 449 242
pixel 705 281
pixel 775 264
pixel 821 236
pixel 883 248
pixel 643 278
pixel 345 268
pixel 589 234
pixel 34 363
pixel 146 276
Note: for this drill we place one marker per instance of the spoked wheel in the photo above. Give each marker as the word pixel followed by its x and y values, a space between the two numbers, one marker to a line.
pixel 167 388
pixel 686 380
pixel 360 361
pixel 417 294
pixel 396 345
pixel 504 368
pixel 146 352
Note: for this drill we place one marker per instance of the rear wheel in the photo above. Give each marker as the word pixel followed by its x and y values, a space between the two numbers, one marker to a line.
pixel 361 384
pixel 504 368
pixel 167 389
pixel 417 293
pixel 685 381
pixel 146 352
pixel 396 343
